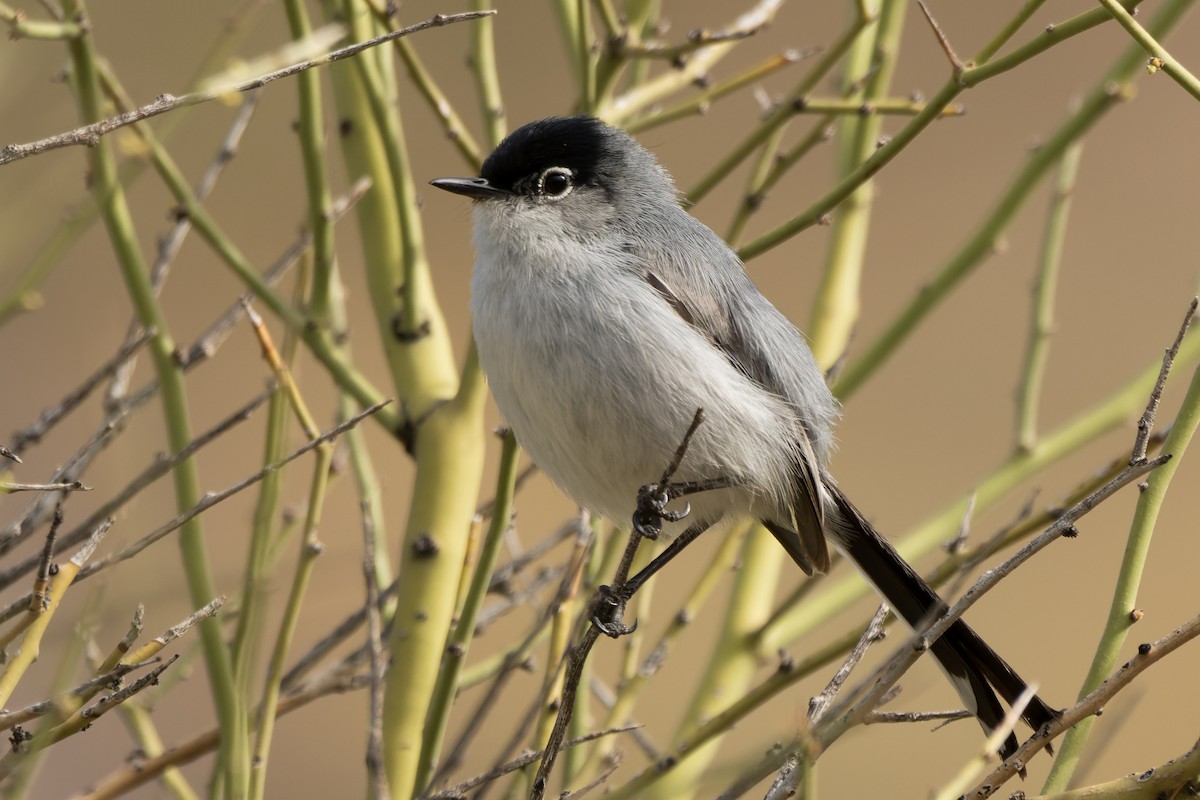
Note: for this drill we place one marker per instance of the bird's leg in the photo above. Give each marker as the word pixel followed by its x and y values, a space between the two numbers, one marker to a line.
pixel 653 498
pixel 608 605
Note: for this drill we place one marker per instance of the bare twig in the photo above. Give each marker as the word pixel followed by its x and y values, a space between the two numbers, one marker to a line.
pixel 89 135
pixel 987 754
pixel 161 466
pixel 172 633
pixel 111 677
pixel 890 717
pixel 213 499
pixel 695 40
pixel 819 705
pixel 512 660
pixel 1146 422
pixel 1160 59
pixel 41 581
pixel 485 508
pixel 955 62
pixel 205 347
pixel 106 704
pixel 1147 655
pixel 62 486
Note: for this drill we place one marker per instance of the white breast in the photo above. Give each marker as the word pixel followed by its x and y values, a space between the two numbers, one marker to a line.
pixel 599 378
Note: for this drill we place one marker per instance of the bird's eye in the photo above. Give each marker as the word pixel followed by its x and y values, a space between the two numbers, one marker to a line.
pixel 555 183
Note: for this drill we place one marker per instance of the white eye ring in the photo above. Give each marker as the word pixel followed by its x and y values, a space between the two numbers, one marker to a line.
pixel 556 183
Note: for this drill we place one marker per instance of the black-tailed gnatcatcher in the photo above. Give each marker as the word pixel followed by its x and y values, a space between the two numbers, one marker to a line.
pixel 605 316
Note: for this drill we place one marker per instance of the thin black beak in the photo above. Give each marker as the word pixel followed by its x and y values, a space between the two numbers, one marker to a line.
pixel 475 188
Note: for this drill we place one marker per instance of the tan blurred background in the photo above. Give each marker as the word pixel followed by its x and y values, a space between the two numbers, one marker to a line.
pixel 935 420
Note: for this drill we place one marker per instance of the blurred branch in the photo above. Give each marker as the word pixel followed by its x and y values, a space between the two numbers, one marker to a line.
pixel 1029 390
pixel 1112 88
pixel 701 103
pixel 956 85
pixel 20 26
pixel 783 110
pixel 623 107
pixel 1161 59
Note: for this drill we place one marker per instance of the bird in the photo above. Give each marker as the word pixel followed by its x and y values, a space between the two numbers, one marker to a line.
pixel 605 316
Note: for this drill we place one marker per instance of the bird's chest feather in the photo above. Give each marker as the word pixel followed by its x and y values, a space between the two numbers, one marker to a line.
pixel 570 377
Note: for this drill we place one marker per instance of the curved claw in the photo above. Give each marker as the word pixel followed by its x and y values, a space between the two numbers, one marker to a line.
pixel 647 525
pixel 606 613
pixel 613 630
pixel 675 516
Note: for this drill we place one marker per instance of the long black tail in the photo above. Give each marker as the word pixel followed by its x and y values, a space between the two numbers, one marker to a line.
pixel 975 669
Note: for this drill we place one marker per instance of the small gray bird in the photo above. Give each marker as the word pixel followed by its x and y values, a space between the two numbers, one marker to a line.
pixel 605 316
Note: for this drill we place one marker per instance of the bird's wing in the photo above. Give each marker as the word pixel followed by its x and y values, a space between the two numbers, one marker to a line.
pixel 774 355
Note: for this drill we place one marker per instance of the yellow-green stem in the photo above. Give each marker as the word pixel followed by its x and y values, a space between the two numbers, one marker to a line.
pixel 449 461
pixel 310 549
pixel 459 643
pixel 836 304
pixel 234 753
pixel 487 75
pixel 1029 390
pixel 311 127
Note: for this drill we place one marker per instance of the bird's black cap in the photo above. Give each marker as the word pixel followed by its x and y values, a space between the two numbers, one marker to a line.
pixel 577 143
pixel 596 153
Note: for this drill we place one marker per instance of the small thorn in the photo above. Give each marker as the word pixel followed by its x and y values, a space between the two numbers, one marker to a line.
pixel 955 62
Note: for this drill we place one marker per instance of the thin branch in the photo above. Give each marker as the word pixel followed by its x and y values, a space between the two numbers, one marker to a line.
pixel 1146 421
pixel 819 705
pixel 956 63
pixel 65 486
pixel 172 633
pixel 892 717
pixel 205 346
pixel 1147 655
pixel 161 466
pixel 987 754
pixel 695 40
pixel 89 135
pixel 335 637
pixel 213 499
pixel 1037 350
pixel 112 677
pixel 702 103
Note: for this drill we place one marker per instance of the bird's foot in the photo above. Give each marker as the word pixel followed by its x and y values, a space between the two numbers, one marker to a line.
pixel 608 608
